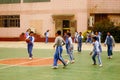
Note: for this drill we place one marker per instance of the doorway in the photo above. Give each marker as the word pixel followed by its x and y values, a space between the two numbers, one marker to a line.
pixel 66 25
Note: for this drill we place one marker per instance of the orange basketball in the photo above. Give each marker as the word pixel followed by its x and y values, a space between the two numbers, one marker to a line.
pixel 27 40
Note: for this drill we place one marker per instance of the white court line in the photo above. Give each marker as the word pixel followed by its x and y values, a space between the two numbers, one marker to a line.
pixel 22 63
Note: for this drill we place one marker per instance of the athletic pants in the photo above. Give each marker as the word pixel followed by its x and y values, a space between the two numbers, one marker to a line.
pixel 30 48
pixel 58 56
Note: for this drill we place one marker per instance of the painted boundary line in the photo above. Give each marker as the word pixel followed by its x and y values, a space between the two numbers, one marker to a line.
pixel 9 66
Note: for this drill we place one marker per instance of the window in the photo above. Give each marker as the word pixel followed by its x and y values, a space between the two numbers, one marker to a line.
pixel 9 1
pixel 27 1
pixel 9 21
pixel 99 17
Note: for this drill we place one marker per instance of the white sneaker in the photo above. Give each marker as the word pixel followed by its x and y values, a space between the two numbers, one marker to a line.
pixel 110 57
pixel 30 58
pixel 72 61
pixel 100 65
pixel 54 67
pixel 68 62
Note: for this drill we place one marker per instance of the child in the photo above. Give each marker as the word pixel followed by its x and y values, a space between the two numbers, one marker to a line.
pixel 66 42
pixel 96 52
pixel 89 38
pixel 70 48
pixel 99 40
pixel 59 42
pixel 79 41
pixel 76 36
pixel 46 36
pixel 110 42
pixel 30 44
pixel 27 32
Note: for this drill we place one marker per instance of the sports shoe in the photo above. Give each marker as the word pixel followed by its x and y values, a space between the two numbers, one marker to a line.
pixel 72 61
pixel 30 58
pixel 67 62
pixel 94 64
pixel 110 57
pixel 65 66
pixel 100 65
pixel 54 67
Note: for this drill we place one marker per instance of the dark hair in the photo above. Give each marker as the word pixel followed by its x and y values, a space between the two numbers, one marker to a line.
pixel 80 32
pixel 95 38
pixel 59 32
pixel 31 32
pixel 69 34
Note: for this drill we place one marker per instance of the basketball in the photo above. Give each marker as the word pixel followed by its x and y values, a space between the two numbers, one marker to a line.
pixel 27 40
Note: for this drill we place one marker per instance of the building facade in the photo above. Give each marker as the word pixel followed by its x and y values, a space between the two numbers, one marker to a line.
pixel 16 16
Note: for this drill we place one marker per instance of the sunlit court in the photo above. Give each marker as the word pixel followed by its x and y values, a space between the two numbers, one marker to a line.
pixel 15 64
pixel 59 39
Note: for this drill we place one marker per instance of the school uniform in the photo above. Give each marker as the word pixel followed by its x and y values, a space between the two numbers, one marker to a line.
pixel 30 45
pixel 76 36
pixel 109 42
pixel 66 44
pixel 79 43
pixel 99 40
pixel 26 34
pixel 59 42
pixel 46 37
pixel 89 38
pixel 96 52
pixel 70 49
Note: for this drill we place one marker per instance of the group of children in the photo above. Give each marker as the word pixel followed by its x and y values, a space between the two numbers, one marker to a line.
pixel 59 42
pixel 97 48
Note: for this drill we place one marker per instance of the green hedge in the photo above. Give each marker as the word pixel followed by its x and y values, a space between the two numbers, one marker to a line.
pixel 105 26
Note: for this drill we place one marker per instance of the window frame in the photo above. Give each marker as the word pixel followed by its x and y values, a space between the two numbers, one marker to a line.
pixel 9 1
pixel 9 21
pixel 33 1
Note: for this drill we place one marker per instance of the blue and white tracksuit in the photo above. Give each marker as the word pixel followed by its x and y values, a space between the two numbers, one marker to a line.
pixel 70 49
pixel 66 44
pixel 76 37
pixel 58 56
pixel 79 43
pixel 58 53
pixel 110 42
pixel 96 52
pixel 46 37
pixel 99 40
pixel 89 38
pixel 30 45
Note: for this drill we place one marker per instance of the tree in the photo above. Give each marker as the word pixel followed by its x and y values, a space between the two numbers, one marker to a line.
pixel 105 26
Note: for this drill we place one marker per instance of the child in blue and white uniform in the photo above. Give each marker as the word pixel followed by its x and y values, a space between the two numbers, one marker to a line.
pixel 89 38
pixel 110 42
pixel 99 40
pixel 46 36
pixel 27 32
pixel 59 42
pixel 66 41
pixel 70 48
pixel 76 36
pixel 30 44
pixel 96 52
pixel 79 40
